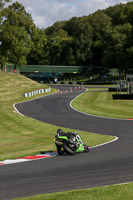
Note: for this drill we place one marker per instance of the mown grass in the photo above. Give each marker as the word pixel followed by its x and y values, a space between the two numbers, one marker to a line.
pixel 113 192
pixel 102 104
pixel 21 136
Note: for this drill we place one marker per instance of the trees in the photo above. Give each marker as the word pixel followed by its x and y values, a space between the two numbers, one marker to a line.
pixel 81 31
pixel 39 53
pixel 100 22
pixel 60 50
pixel 3 2
pixel 70 42
pixel 104 38
pixel 117 45
pixel 15 35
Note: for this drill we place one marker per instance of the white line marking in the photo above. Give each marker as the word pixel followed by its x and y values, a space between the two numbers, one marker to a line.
pixel 116 138
pixel 17 110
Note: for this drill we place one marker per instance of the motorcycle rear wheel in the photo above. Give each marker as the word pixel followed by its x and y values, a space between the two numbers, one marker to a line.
pixel 67 149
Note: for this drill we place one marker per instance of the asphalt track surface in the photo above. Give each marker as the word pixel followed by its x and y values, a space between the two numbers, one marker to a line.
pixel 105 165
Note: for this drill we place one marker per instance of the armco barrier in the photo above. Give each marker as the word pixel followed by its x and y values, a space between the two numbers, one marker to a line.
pixel 40 91
pixel 123 96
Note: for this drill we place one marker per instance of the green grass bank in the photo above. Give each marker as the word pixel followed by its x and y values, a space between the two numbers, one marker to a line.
pixel 102 104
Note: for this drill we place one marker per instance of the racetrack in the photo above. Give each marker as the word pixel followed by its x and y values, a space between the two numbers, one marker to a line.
pixel 108 164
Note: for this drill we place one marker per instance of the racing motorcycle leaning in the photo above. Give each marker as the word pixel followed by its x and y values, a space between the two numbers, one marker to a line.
pixel 70 143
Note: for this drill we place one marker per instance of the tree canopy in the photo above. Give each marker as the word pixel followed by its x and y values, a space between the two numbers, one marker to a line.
pixel 16 27
pixel 104 38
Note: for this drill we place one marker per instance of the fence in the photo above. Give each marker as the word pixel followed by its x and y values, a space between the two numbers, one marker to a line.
pixel 40 91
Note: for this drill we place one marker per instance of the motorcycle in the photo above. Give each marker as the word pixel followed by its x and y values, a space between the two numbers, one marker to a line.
pixel 70 146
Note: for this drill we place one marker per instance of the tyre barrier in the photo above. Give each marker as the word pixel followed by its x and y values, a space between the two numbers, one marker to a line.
pixel 40 91
pixel 122 96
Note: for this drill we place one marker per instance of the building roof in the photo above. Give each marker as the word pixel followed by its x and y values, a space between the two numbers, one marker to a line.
pixel 47 69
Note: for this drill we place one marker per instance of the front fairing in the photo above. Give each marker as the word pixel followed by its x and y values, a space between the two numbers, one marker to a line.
pixel 63 137
pixel 80 148
pixel 59 140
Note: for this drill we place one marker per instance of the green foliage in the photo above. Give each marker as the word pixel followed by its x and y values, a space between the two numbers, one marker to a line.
pixel 101 39
pixel 3 2
pixel 104 38
pixel 60 48
pixel 39 53
pixel 116 47
pixel 15 29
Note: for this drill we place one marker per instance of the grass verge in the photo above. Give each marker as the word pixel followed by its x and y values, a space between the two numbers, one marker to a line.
pixel 22 136
pixel 113 192
pixel 102 104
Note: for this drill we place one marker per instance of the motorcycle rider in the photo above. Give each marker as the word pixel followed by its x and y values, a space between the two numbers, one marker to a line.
pixel 71 137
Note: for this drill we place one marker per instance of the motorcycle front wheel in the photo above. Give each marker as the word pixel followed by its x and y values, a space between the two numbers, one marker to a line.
pixel 60 152
pixel 67 149
pixel 86 148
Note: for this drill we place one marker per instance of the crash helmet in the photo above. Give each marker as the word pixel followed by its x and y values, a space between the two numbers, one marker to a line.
pixel 74 133
pixel 59 131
